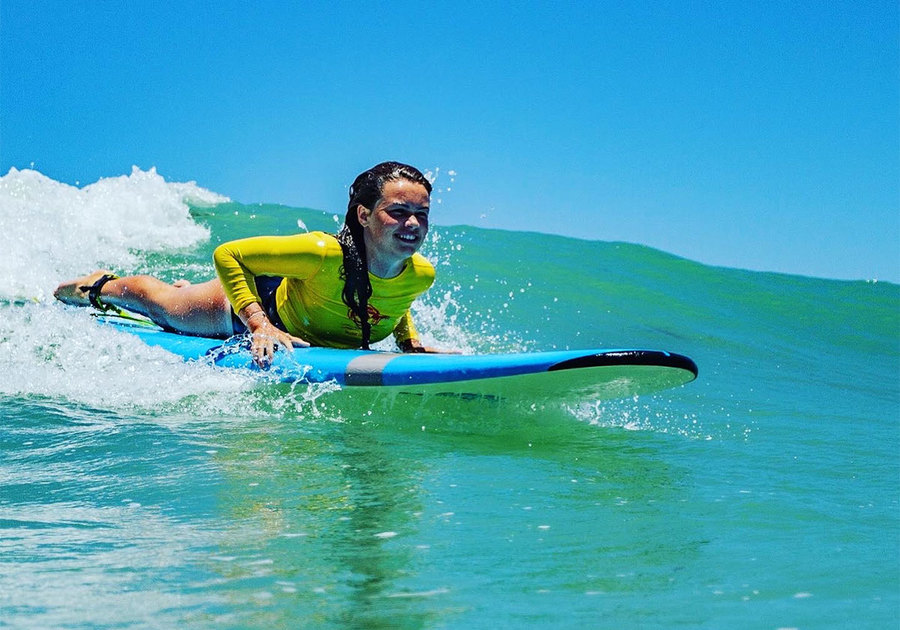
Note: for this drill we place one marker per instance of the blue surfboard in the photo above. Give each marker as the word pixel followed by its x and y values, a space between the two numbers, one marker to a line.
pixel 598 374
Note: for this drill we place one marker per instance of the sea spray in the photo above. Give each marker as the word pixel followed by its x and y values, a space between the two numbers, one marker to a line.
pixel 157 493
pixel 55 352
pixel 53 231
pixel 452 315
pixel 59 352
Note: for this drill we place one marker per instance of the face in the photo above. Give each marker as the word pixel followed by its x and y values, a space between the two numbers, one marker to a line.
pixel 396 227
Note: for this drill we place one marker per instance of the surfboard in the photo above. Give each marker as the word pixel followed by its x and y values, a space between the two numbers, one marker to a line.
pixel 597 374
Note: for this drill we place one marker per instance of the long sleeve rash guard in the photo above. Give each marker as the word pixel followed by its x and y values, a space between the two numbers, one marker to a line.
pixel 308 300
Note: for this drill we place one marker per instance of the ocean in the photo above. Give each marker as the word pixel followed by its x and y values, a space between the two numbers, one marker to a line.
pixel 138 491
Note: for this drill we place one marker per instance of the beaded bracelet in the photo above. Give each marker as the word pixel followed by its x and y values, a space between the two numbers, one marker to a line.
pixel 251 316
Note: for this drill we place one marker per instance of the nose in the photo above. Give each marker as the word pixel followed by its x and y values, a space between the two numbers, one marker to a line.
pixel 412 221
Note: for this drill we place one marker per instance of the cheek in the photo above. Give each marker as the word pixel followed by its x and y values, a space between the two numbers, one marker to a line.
pixel 380 226
pixel 389 225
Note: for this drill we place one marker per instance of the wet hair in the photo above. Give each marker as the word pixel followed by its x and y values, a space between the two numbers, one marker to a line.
pixel 366 190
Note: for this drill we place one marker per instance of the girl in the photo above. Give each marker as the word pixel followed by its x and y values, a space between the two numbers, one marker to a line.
pixel 345 290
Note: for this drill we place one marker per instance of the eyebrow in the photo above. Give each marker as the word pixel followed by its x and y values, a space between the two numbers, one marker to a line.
pixel 398 204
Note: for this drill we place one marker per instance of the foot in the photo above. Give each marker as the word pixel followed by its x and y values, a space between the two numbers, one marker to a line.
pixel 76 291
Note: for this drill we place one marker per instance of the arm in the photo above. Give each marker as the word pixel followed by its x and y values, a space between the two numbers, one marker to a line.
pixel 239 262
pixel 415 346
pixel 407 337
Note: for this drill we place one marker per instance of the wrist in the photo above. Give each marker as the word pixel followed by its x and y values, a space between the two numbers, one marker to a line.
pixel 255 320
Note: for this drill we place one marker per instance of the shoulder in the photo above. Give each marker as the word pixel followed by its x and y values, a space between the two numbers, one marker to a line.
pixel 319 240
pixel 330 244
pixel 420 266
pixel 316 243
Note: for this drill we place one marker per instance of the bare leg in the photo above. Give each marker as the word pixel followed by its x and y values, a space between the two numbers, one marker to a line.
pixel 193 309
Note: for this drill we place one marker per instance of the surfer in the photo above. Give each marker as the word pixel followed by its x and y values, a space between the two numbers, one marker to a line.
pixel 345 290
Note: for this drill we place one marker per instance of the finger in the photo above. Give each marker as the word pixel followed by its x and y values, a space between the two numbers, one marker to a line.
pixel 259 357
pixel 262 349
pixel 285 341
pixel 289 342
pixel 433 350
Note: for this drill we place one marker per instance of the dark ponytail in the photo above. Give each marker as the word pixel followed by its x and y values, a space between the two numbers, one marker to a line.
pixel 366 191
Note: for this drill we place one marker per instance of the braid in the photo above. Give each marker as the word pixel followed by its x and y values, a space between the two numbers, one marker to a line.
pixel 366 191
pixel 355 273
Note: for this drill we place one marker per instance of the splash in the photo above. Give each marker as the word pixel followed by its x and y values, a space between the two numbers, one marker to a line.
pixel 693 417
pixel 445 317
pixel 439 190
pixel 641 414
pixel 48 351
pixel 55 231
pixel 58 352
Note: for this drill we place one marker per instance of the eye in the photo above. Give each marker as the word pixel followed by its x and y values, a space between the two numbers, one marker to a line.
pixel 402 214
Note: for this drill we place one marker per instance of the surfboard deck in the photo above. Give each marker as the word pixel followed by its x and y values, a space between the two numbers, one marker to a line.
pixel 597 374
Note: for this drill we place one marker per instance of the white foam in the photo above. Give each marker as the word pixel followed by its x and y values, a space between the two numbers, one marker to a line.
pixel 443 322
pixel 53 231
pixel 57 352
pixel 644 413
pixel 61 353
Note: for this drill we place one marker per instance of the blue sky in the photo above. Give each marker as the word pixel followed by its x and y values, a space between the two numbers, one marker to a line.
pixel 759 135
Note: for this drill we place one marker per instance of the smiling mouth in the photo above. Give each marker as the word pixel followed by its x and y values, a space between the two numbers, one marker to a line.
pixel 407 238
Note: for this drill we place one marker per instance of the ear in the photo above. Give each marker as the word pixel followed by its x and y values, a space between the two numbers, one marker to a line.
pixel 362 214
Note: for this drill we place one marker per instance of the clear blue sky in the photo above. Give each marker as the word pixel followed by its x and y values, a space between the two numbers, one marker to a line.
pixel 761 135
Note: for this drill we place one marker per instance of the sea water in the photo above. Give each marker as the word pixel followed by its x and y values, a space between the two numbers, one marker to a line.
pixel 137 491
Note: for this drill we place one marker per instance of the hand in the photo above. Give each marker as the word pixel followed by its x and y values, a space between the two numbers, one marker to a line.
pixel 415 346
pixel 266 338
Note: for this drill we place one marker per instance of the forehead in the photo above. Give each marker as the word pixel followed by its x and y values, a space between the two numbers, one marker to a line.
pixel 404 192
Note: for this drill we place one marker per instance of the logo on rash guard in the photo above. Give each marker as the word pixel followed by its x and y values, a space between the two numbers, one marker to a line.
pixel 374 316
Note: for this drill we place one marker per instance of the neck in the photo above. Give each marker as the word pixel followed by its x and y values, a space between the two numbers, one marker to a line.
pixel 384 269
pixel 380 265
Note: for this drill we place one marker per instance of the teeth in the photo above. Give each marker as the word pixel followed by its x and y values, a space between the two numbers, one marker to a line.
pixel 406 237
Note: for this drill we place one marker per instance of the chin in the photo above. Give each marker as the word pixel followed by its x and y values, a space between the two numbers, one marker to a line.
pixel 407 247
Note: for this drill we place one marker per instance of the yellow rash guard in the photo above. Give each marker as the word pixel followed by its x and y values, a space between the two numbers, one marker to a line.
pixel 308 300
